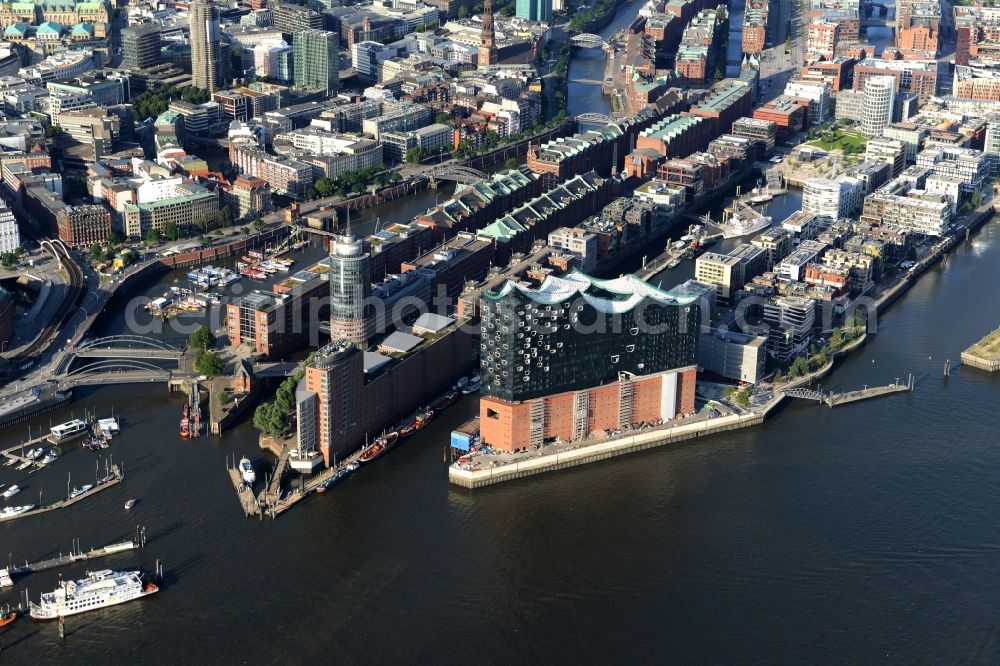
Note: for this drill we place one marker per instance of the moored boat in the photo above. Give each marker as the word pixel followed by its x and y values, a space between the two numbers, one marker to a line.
pixel 5 579
pixel 129 504
pixel 185 429
pixel 10 492
pixel 81 490
pixel 380 447
pixel 67 431
pixel 98 590
pixel 340 474
pixel 7 616
pixel 247 472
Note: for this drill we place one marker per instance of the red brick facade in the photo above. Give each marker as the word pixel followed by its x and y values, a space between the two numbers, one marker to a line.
pixel 507 425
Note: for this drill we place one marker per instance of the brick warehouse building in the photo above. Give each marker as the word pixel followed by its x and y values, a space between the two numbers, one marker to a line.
pixel 579 355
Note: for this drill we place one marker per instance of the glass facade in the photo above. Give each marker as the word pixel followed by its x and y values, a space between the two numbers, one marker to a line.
pixel 541 343
pixel 350 280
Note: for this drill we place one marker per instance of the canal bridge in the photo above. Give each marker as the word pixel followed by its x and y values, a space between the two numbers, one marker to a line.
pixel 127 346
pixel 588 40
pixel 456 172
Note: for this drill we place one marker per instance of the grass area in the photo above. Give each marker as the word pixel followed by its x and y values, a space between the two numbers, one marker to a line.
pixel 988 346
pixel 839 139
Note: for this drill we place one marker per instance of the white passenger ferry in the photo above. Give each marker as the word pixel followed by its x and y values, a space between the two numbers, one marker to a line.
pixel 98 590
pixel 67 431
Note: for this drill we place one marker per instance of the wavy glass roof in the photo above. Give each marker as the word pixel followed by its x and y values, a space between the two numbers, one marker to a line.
pixel 629 288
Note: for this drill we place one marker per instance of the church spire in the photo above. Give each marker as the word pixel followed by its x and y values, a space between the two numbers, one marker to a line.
pixel 487 41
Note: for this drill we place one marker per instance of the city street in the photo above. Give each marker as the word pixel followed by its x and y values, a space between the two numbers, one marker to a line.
pixel 776 66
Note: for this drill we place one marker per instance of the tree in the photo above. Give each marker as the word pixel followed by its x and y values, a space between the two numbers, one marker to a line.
pixel 324 186
pixel 224 397
pixel 96 252
pixel 414 155
pixel 209 364
pixel 152 237
pixel 268 419
pixel 976 198
pixel 51 131
pixel 463 12
pixel 171 231
pixel 258 225
pixel 742 398
pixel 115 238
pixel 202 339
pixel 75 188
pixel 204 222
pixel 800 366
pixel 778 378
pixel 442 118
pixel 511 163
pixel 225 217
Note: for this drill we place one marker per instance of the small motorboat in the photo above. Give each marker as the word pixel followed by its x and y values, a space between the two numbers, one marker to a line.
pixel 7 616
pixel 246 471
pixel 50 458
pixel 13 490
pixel 81 490
pixel 129 504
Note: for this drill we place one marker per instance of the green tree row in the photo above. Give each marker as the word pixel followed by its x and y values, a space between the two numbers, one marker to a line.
pixel 272 418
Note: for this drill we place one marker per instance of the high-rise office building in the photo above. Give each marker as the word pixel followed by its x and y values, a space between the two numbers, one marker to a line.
pixel 534 10
pixel 879 92
pixel 317 60
pixel 208 71
pixel 579 355
pixel 351 315
pixel 141 46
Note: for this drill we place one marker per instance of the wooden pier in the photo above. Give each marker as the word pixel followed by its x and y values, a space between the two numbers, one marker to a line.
pixel 243 494
pixel 117 476
pixel 272 493
pixel 13 454
pixel 76 554
pixel 281 504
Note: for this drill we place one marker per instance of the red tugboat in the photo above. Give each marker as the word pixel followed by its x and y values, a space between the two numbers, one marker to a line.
pixel 7 616
pixel 185 421
pixel 422 419
pixel 381 446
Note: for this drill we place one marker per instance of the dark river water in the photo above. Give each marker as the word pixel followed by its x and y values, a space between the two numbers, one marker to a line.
pixel 858 534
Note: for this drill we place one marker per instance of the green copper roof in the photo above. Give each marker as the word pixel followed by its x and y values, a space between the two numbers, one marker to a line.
pixel 16 30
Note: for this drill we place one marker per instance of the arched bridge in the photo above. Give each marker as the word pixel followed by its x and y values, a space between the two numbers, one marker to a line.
pixel 593 118
pixel 127 346
pixel 461 174
pixel 806 394
pixel 588 41
pixel 119 366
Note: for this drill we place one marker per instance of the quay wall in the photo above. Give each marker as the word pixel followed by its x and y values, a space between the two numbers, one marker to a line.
pixel 604 450
pixel 34 409
pixel 979 363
